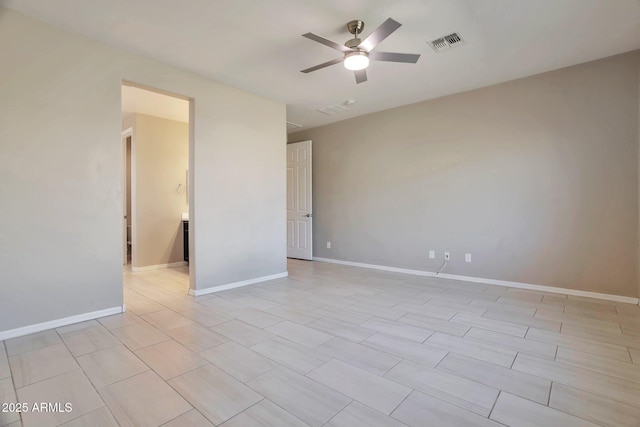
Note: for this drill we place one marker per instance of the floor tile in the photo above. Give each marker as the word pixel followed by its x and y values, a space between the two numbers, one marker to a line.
pixel 242 333
pixel 170 359
pixel 254 317
pixel 71 387
pixel 516 411
pixel 166 319
pixel 345 316
pixel 518 383
pixel 99 418
pixel 305 398
pixel 290 354
pixel 192 418
pixel 612 351
pixel 238 361
pixel 77 326
pixel 144 399
pixel 377 311
pixel 467 394
pixel 401 330
pixel 111 365
pixel 341 329
pixel 88 340
pixel 359 415
pixel 299 334
pixel 294 314
pixel 492 325
pixel 435 311
pixel 139 335
pixel 604 365
pixel 196 337
pixel 591 407
pixel 367 388
pixel 5 371
pixel 538 348
pixel 142 306
pixel 206 316
pixel 38 365
pixel 32 342
pixel 617 339
pixel 522 319
pixel 478 350
pixel 258 303
pixel 120 320
pixel 420 409
pixel 265 414
pixel 8 395
pixel 431 323
pixel 374 361
pixel 583 379
pixel 217 395
pixel 407 349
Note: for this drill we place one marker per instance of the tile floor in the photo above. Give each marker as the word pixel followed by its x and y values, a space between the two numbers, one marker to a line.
pixel 333 346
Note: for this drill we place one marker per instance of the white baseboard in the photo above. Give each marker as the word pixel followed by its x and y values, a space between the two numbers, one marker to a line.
pixel 506 283
pixel 39 327
pixel 158 266
pixel 199 292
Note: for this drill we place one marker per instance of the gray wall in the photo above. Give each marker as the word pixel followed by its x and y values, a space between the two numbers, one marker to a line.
pixel 61 173
pixel 161 163
pixel 537 178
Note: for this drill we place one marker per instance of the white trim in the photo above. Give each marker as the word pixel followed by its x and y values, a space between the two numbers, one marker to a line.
pixel 506 283
pixel 158 266
pixel 39 327
pixel 198 292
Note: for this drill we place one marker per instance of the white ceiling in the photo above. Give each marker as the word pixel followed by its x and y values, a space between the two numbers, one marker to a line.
pixel 136 100
pixel 256 45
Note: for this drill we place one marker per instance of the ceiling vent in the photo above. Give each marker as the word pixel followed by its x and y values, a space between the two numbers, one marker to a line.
pixel 293 126
pixel 447 42
pixel 332 110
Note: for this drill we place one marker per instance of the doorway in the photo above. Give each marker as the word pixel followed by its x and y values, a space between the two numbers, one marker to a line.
pixel 299 201
pixel 156 158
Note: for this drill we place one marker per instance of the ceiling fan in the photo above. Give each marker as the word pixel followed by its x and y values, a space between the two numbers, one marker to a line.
pixel 357 52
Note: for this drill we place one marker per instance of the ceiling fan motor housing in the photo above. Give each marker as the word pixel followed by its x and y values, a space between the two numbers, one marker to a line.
pixel 355 27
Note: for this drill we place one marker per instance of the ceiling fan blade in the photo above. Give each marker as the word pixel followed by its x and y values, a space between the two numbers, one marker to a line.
pixel 394 57
pixel 361 76
pixel 323 65
pixel 327 42
pixel 379 34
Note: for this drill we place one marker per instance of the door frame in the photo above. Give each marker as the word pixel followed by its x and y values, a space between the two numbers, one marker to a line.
pixel 125 134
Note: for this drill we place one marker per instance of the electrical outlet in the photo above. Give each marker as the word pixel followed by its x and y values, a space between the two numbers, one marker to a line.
pixel 328 245
pixel 447 256
pixel 432 254
pixel 467 257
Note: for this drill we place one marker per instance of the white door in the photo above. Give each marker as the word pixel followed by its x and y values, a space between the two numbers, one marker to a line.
pixel 299 220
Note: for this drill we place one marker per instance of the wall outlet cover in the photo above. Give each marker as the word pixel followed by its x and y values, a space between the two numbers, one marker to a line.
pixel 447 256
pixel 467 257
pixel 328 245
pixel 432 254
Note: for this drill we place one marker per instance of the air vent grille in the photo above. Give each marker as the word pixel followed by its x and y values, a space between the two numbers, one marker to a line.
pixel 293 126
pixel 446 42
pixel 332 110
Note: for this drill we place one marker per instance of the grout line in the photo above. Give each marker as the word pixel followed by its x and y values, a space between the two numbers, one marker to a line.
pixel 494 404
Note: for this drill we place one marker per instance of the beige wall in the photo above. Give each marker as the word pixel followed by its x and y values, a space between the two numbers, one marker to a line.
pixel 537 178
pixel 61 165
pixel 161 162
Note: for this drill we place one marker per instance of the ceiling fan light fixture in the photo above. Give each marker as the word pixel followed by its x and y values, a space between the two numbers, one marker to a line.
pixel 357 60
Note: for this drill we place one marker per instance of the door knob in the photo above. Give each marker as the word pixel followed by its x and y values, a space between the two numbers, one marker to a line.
pixel 308 215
